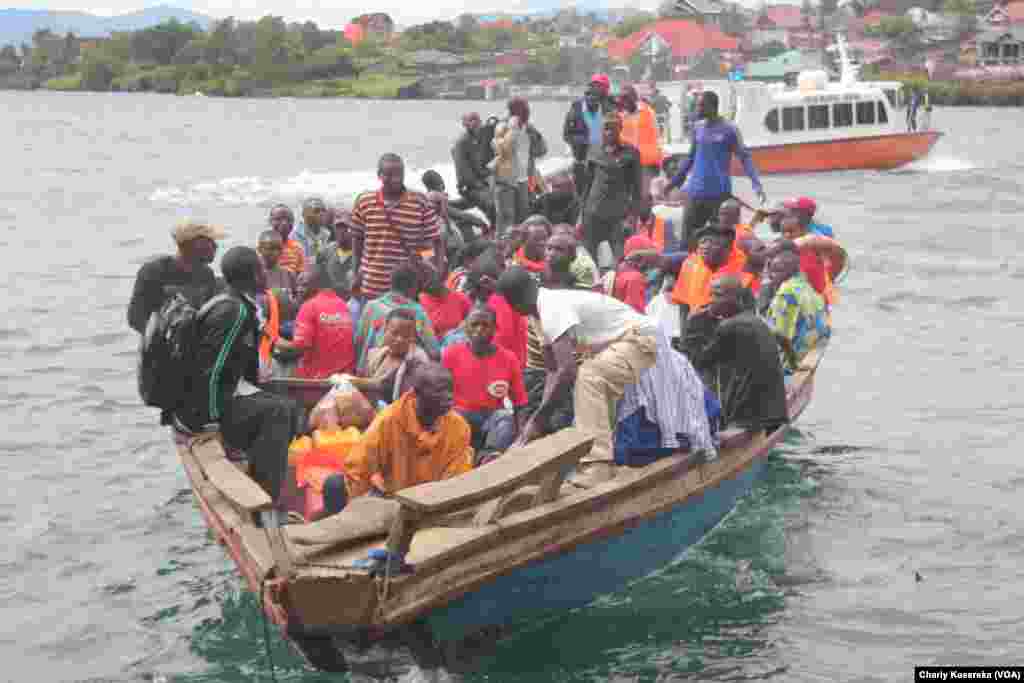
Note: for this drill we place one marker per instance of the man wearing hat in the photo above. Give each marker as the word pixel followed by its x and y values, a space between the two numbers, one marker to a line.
pixel 629 283
pixel 187 272
pixel 804 209
pixel 583 126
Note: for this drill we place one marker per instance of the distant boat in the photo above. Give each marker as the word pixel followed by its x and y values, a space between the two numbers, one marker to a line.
pixel 199 93
pixel 821 126
pixel 500 543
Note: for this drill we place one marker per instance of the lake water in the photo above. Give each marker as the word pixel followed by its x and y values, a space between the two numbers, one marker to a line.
pixel 904 463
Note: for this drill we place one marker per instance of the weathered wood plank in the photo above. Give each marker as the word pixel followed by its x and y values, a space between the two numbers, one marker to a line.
pixel 237 487
pixel 517 467
pixel 364 517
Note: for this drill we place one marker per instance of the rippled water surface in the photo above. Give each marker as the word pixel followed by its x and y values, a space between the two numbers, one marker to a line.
pixel 904 463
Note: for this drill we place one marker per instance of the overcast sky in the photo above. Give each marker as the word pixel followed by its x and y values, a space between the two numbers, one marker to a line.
pixel 404 12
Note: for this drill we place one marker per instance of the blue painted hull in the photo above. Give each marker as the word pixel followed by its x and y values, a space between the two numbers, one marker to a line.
pixel 578 576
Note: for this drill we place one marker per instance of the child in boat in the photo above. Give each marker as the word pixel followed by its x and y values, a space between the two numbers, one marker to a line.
pixel 388 366
pixel 487 377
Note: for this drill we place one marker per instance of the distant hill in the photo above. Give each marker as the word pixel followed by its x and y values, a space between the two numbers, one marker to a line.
pixel 18 25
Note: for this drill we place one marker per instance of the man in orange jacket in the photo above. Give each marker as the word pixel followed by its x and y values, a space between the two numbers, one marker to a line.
pixel 640 129
pixel 717 254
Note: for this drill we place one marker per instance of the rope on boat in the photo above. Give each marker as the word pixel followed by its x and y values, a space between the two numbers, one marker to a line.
pixel 266 630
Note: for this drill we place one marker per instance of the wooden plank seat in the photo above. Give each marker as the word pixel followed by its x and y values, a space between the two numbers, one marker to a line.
pixel 363 518
pixel 544 462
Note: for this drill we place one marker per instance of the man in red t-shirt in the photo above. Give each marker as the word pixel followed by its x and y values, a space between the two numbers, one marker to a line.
pixel 445 308
pixel 485 376
pixel 629 283
pixel 323 332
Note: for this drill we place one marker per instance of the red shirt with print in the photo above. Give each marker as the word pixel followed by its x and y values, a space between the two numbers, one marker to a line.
pixel 323 330
pixel 446 313
pixel 481 384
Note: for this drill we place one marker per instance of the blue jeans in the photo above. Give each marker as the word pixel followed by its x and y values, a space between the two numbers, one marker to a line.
pixel 492 430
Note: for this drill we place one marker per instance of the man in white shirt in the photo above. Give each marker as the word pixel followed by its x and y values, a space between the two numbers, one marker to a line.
pixel 623 345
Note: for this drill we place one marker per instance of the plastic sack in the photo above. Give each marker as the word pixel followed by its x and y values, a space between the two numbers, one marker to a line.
pixel 342 407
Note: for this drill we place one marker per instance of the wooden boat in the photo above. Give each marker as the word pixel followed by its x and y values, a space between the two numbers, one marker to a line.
pixel 503 542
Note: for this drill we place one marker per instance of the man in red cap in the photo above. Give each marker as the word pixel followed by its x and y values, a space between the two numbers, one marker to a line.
pixel 584 124
pixel 629 283
pixel 804 208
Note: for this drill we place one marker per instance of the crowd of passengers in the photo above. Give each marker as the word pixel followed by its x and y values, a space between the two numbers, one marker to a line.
pixel 470 336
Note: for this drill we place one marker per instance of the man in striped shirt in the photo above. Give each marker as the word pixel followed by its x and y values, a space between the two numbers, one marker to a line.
pixel 390 227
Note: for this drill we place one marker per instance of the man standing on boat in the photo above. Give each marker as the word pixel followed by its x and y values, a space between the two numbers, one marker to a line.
pixel 713 143
pixel 470 170
pixel 391 227
pixel 623 345
pixel 584 124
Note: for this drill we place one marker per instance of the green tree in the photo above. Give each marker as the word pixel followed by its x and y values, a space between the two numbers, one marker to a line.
pixel 635 23
pixel 966 13
pixel 98 71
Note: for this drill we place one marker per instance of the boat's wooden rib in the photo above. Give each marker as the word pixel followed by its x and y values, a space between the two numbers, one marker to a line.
pixel 464 534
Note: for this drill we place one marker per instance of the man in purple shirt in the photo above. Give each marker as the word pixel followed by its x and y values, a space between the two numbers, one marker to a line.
pixel 713 143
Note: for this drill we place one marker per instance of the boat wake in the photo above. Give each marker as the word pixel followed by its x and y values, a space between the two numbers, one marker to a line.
pixel 334 186
pixel 937 165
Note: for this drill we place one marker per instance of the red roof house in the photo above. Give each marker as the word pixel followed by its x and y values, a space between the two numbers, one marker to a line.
pixel 687 40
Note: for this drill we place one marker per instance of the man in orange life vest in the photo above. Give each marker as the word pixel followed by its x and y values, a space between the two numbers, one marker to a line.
pixel 716 254
pixel 640 129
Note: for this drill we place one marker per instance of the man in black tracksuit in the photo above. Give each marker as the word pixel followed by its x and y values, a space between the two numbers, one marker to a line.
pixel 227 341
pixel 471 154
pixel 583 127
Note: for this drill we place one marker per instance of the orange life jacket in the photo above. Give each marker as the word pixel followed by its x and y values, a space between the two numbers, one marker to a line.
pixel 271 329
pixel 657 230
pixel 641 130
pixel 693 284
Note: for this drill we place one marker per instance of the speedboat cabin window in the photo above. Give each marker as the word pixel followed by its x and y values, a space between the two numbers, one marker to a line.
pixel 866 113
pixel 890 95
pixel 792 118
pixel 883 116
pixel 771 121
pixel 842 115
pixel 817 116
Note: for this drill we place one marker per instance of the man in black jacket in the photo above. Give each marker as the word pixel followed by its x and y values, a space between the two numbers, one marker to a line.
pixel 471 156
pixel 227 340
pixel 583 127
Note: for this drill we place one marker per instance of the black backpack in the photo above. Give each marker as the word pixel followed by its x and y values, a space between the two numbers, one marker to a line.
pixel 166 352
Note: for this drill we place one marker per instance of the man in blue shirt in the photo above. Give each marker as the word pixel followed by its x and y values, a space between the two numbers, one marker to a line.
pixel 713 142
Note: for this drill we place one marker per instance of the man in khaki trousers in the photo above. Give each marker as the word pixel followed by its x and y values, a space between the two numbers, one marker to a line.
pixel 623 345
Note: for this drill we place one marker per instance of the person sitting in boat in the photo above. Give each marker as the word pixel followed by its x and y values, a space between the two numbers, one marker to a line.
pixel 481 288
pixel 341 265
pixel 713 143
pixel 658 228
pixel 187 273
pixel 716 254
pixel 795 312
pixel 560 203
pixel 445 308
pixel 388 371
pixel 467 261
pixel 313 232
pixel 531 255
pixel 282 221
pixel 629 283
pixel 623 345
pixel 323 330
pixel 821 258
pixel 566 261
pixel 487 377
pixel 257 422
pixel 736 353
pixel 417 439
pixel 403 294
pixel 283 283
